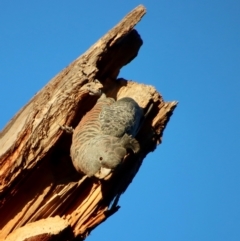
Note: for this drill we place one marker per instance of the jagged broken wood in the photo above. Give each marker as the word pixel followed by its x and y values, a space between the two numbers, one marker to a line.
pixel 42 196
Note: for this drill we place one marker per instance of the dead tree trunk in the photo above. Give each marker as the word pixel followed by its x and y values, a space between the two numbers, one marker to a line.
pixel 42 197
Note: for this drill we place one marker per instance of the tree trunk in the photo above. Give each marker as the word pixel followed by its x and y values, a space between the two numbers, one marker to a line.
pixel 42 196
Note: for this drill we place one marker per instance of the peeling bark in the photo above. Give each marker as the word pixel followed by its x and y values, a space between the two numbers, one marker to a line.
pixel 42 197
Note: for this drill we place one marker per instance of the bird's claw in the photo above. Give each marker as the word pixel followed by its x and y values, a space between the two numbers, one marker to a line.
pixel 67 129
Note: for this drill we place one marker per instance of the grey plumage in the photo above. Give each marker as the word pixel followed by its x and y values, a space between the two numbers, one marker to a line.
pixel 105 134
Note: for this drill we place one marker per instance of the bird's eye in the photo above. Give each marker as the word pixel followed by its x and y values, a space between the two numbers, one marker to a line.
pixel 100 158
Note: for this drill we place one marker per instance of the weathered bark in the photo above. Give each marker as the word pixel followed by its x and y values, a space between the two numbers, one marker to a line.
pixel 42 197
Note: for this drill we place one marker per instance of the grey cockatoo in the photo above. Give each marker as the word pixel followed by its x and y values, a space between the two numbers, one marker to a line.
pixel 105 135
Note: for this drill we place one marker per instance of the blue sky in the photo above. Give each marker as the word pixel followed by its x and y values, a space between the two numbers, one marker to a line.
pixel 188 189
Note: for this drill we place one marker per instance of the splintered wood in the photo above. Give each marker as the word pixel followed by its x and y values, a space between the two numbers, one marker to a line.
pixel 42 195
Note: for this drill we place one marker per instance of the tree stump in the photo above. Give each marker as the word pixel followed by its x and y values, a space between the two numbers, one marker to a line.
pixel 42 195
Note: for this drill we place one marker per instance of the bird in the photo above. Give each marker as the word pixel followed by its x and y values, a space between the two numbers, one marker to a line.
pixel 105 135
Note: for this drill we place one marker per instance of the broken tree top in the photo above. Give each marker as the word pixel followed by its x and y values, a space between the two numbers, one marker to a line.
pixel 42 194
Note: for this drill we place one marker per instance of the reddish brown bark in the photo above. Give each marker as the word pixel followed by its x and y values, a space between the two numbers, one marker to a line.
pixel 42 196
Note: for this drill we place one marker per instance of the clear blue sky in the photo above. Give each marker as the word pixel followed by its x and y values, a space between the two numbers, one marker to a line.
pixel 188 189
